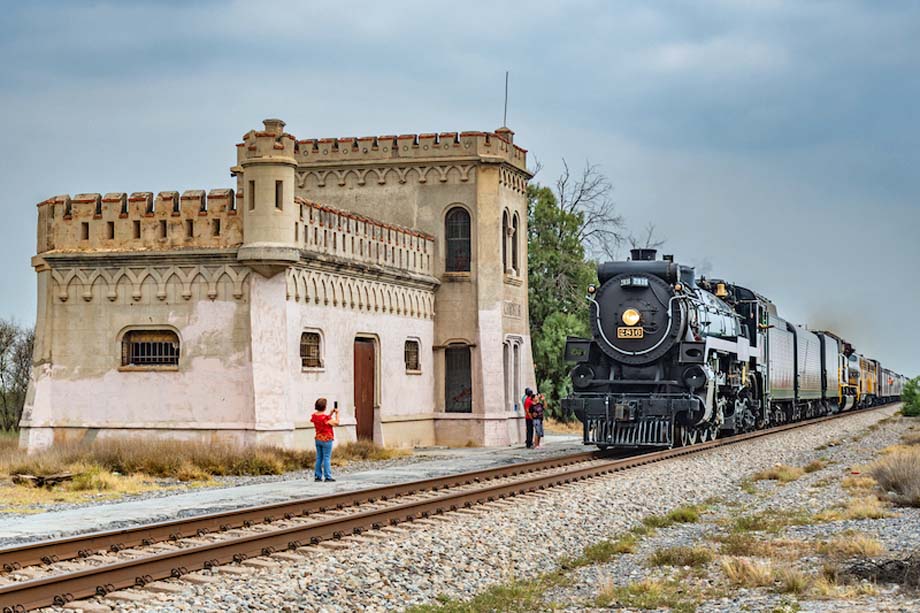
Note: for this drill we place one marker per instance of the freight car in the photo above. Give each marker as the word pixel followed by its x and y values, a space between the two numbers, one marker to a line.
pixel 674 360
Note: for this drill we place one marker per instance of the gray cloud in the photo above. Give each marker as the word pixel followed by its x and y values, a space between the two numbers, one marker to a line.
pixel 777 140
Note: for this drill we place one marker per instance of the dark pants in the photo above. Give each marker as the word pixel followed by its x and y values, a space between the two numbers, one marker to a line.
pixel 529 423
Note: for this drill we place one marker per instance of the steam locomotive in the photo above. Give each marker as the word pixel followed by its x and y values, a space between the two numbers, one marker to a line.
pixel 675 360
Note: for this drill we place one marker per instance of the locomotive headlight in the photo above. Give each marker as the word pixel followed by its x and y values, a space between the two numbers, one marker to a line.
pixel 631 317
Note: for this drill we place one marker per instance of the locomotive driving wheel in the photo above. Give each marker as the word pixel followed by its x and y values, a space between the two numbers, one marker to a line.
pixel 745 421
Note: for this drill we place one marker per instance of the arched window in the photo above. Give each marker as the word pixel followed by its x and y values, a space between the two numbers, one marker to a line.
pixel 458 383
pixel 457 226
pixel 514 244
pixel 504 241
pixel 150 348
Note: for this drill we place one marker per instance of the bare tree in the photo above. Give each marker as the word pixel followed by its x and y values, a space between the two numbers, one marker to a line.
pixel 589 194
pixel 15 367
pixel 647 240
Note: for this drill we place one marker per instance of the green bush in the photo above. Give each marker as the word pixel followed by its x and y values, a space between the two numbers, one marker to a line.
pixel 911 398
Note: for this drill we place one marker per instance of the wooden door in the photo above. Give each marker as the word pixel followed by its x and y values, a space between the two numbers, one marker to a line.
pixel 364 387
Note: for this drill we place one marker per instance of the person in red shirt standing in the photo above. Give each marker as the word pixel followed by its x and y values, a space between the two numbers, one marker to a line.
pixel 528 418
pixel 325 436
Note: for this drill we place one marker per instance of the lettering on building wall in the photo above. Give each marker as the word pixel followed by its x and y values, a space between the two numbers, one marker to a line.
pixel 511 309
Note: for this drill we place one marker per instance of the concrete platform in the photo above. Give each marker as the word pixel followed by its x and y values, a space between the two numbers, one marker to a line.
pixel 117 515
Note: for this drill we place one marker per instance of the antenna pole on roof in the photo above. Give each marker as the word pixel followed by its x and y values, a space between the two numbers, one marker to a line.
pixel 505 116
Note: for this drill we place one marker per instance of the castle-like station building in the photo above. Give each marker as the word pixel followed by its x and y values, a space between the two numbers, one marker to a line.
pixel 388 274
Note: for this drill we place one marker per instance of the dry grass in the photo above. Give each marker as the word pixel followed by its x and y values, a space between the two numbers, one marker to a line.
pixel 814 466
pixel 899 473
pixel 911 438
pixel 563 427
pixel 791 580
pixel 824 588
pixel 851 545
pixel 366 451
pixel 650 594
pixel 122 467
pixel 742 544
pixel 9 440
pixel 859 485
pixel 861 507
pixel 94 485
pixel 747 545
pixel 182 460
pixel 681 556
pixel 781 473
pixel 743 572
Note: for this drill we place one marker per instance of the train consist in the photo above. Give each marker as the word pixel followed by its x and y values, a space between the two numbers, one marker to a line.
pixel 675 361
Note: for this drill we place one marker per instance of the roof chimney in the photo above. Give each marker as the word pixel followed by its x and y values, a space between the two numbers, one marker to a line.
pixel 643 254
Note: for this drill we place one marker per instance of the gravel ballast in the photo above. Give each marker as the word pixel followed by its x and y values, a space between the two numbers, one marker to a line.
pixel 464 553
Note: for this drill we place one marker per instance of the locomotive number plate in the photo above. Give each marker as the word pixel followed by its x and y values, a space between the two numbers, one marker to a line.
pixel 636 332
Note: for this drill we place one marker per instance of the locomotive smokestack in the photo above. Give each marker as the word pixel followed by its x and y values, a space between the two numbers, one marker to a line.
pixel 643 254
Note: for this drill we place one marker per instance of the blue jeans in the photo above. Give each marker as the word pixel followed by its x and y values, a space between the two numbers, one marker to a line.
pixel 323 460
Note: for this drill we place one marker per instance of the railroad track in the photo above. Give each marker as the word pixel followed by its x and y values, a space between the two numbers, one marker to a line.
pixel 81 566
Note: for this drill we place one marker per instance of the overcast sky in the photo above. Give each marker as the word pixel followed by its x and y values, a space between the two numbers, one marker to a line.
pixel 775 143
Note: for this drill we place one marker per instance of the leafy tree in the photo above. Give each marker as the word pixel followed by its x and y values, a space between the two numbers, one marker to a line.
pixel 911 398
pixel 562 225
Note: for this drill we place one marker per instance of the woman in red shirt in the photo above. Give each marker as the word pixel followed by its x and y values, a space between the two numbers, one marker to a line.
pixel 325 436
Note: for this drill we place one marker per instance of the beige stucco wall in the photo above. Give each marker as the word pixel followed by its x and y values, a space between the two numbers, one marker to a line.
pixel 399 395
pixel 79 385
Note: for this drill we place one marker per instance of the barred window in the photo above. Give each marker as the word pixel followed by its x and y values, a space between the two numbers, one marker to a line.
pixel 150 348
pixel 310 350
pixel 412 355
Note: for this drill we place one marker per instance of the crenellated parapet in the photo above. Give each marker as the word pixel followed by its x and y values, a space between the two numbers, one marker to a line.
pixel 333 232
pixel 411 148
pixel 141 221
pixel 269 144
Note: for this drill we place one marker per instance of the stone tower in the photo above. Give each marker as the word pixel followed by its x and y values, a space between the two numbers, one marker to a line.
pixel 265 180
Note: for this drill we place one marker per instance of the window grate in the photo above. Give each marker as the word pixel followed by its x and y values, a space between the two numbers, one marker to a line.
pixel 411 355
pixel 310 355
pixel 150 348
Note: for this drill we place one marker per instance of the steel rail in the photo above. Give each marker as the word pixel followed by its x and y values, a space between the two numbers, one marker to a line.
pixel 63 588
pixel 84 545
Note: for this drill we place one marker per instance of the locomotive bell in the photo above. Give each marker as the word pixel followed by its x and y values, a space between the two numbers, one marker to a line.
pixel 721 292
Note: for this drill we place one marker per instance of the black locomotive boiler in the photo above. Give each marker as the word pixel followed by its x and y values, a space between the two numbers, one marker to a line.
pixel 674 360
